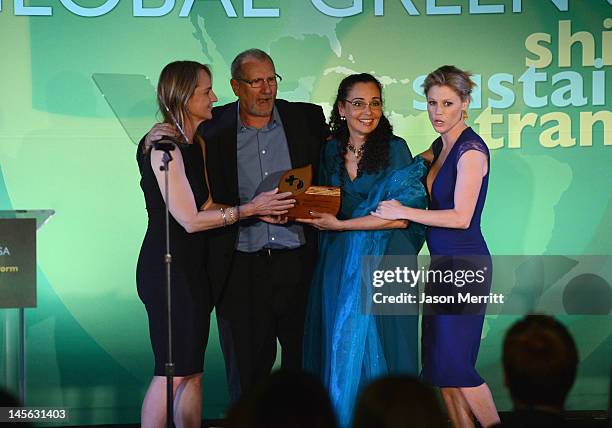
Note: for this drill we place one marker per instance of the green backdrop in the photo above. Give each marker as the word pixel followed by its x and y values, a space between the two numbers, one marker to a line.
pixel 542 105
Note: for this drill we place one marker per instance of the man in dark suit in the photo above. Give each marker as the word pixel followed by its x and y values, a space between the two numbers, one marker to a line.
pixel 260 271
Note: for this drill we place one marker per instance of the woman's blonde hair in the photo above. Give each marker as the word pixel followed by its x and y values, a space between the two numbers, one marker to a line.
pixel 177 82
pixel 448 75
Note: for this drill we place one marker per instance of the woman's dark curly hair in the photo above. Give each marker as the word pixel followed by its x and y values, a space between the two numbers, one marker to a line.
pixel 376 148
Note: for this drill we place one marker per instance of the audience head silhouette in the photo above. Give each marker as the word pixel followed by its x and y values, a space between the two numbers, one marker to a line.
pixel 286 399
pixel 540 361
pixel 396 402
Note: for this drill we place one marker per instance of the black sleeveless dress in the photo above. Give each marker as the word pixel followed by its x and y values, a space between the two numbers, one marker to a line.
pixel 191 305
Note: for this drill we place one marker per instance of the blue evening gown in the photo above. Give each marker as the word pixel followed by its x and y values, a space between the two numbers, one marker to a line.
pixel 344 346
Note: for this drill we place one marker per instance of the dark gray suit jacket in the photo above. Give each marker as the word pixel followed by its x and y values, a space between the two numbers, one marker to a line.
pixel 305 129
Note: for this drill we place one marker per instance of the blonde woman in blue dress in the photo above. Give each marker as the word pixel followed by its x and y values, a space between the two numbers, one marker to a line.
pixel 457 183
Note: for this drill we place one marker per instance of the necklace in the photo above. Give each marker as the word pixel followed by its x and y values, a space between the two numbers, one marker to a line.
pixel 356 151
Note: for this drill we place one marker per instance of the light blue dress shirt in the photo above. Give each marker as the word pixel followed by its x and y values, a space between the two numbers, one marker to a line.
pixel 260 153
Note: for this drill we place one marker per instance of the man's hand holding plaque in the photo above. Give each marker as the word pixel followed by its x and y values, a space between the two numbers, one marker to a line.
pixel 309 200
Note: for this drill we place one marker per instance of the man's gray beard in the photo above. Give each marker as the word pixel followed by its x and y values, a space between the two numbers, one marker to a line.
pixel 260 114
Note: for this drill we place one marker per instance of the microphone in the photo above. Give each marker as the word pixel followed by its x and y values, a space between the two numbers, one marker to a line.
pixel 166 144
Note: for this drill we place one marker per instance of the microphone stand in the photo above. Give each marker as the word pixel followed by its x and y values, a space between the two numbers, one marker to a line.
pixel 167 147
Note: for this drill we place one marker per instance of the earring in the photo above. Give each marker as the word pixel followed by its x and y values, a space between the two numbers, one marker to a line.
pixel 342 118
pixel 465 115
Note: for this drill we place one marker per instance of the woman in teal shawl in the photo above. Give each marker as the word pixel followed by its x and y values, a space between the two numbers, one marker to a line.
pixel 344 344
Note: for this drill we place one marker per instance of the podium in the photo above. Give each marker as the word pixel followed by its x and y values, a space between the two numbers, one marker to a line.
pixel 18 271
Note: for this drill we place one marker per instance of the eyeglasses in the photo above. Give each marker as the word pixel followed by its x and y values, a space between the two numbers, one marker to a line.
pixel 361 104
pixel 258 83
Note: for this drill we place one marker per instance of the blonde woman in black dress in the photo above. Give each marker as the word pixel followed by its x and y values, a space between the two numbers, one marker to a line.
pixel 186 98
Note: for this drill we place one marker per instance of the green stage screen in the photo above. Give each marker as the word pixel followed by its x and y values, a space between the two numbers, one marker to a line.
pixel 542 105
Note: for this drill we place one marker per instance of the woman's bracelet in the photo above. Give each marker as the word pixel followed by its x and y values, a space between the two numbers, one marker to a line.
pixel 223 216
pixel 232 215
pixel 232 212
